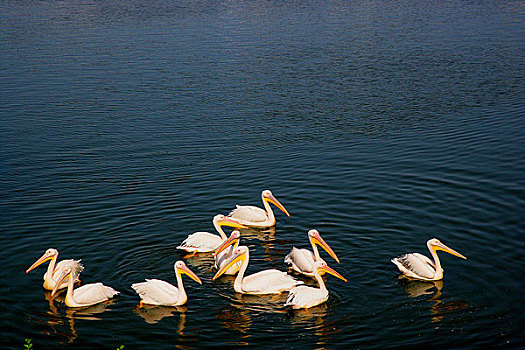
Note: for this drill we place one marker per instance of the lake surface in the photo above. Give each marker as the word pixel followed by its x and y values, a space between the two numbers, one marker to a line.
pixel 126 126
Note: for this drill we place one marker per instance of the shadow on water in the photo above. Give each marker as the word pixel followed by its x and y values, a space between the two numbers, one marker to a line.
pixel 439 307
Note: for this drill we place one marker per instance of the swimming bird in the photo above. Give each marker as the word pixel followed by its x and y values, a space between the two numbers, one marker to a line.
pixel 89 294
pixel 418 266
pixel 158 292
pixel 304 297
pixel 256 217
pixel 52 274
pixel 302 260
pixel 203 242
pixel 225 251
pixel 263 282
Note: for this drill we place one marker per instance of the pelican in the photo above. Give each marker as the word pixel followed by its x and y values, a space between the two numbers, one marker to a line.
pixel 304 297
pixel 158 292
pixel 256 217
pixel 418 266
pixel 203 242
pixel 87 295
pixel 302 260
pixel 221 256
pixel 263 282
pixel 53 270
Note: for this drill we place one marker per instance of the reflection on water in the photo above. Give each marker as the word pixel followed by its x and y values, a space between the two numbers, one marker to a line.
pixel 300 317
pixel 317 319
pixel 202 262
pixel 266 239
pixel 235 318
pixel 267 303
pixel 416 288
pixel 439 307
pixel 264 235
pixel 237 315
pixel 56 322
pixel 154 313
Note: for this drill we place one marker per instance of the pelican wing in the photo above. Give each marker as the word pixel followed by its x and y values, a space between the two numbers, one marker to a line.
pixel 301 260
pixel 304 297
pixel 156 292
pixel 249 213
pixel 269 282
pixel 415 265
pixel 201 242
pixel 93 293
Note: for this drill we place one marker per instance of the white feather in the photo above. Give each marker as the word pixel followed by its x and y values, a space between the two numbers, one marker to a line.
pixel 201 242
pixel 301 261
pixel 93 293
pixel 269 282
pixel 306 297
pixel 415 265
pixel 249 213
pixel 157 292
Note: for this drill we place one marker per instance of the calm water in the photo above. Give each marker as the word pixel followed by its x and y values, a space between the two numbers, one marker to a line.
pixel 126 126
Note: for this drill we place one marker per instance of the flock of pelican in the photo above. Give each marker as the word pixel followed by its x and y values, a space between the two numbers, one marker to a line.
pixel 233 259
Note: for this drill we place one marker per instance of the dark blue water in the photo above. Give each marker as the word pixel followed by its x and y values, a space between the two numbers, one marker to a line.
pixel 126 126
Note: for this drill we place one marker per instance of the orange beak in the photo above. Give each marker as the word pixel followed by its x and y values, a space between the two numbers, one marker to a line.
pixel 61 279
pixel 233 239
pixel 234 259
pixel 275 202
pixel 332 272
pixel 184 269
pixel 40 261
pixel 443 247
pixel 318 240
pixel 226 221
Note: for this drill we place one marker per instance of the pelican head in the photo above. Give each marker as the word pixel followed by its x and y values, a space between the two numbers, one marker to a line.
pixel 181 268
pixel 315 238
pixel 233 239
pixel 48 255
pixel 73 270
pixel 239 254
pixel 222 220
pixel 434 244
pixel 268 196
pixel 322 266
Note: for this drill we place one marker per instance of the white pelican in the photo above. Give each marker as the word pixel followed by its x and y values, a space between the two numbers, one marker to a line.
pixel 418 266
pixel 256 217
pixel 89 294
pixel 222 255
pixel 304 297
pixel 158 292
pixel 263 282
pixel 53 270
pixel 302 260
pixel 203 242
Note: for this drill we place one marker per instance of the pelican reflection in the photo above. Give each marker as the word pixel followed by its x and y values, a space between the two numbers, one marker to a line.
pixel 237 315
pixel 265 303
pixel 53 321
pixel 274 248
pixel 439 307
pixel 304 317
pixel 318 321
pixel 154 313
pixel 416 288
pixel 63 324
pixel 235 318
